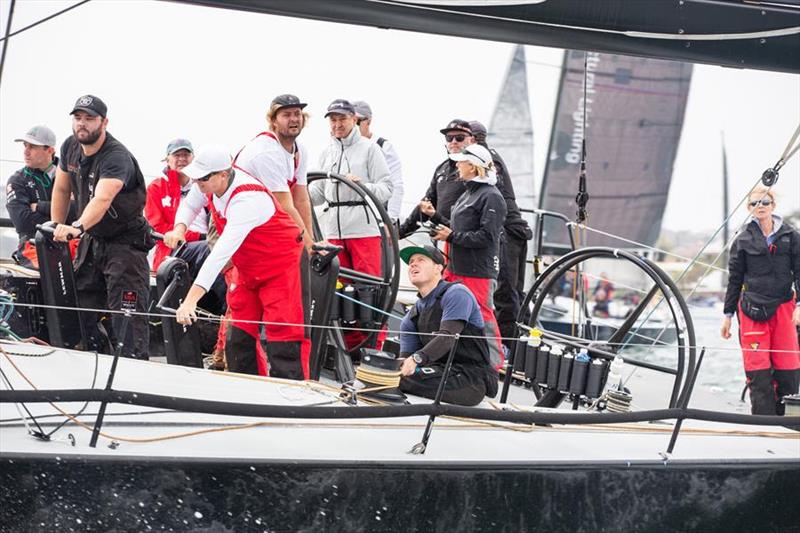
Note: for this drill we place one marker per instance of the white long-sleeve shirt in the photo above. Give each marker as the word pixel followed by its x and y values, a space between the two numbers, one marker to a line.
pixel 267 160
pixel 396 175
pixel 245 212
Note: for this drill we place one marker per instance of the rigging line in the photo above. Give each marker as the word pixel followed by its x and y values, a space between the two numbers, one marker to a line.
pixel 789 151
pixel 54 15
pixel 647 247
pixel 5 42
pixel 779 32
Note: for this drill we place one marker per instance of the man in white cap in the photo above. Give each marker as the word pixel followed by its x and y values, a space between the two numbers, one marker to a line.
pixel 29 189
pixel 266 247
pixel 280 162
pixel 364 122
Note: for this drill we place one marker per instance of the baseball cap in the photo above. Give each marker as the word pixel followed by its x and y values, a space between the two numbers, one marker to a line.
pixel 458 125
pixel 478 130
pixel 363 110
pixel 208 159
pixel 429 251
pixel 475 154
pixel 90 104
pixel 179 144
pixel 340 106
pixel 39 135
pixel 287 100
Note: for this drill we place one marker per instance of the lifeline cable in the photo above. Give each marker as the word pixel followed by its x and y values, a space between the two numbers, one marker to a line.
pixel 54 15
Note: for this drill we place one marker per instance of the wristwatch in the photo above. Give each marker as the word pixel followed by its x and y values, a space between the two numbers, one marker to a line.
pixel 78 225
pixel 417 357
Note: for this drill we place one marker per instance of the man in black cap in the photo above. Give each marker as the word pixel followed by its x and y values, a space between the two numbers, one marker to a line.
pixel 513 249
pixel 111 270
pixel 427 335
pixel 29 189
pixel 445 187
pixel 280 162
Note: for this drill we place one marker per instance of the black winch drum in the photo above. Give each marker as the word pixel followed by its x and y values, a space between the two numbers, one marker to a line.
pixel 542 360
pixel 531 356
pixel 565 372
pixel 553 367
pixel 594 383
pixel 580 369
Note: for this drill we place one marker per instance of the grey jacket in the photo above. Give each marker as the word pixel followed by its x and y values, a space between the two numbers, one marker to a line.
pixel 363 158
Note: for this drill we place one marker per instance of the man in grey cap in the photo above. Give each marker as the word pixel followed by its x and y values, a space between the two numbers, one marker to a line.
pixel 29 189
pixel 364 122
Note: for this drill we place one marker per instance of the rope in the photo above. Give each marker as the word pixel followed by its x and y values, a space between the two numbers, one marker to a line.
pixel 375 376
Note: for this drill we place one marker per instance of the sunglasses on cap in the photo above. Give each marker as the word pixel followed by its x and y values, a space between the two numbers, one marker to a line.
pixel 766 202
pixel 458 138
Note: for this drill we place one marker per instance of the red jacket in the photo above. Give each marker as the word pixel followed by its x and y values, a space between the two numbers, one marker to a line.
pixel 163 198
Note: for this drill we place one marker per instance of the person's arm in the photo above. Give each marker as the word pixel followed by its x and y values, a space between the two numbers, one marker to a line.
pixel 380 181
pixel 20 210
pixel 59 202
pixel 154 209
pixel 396 175
pixel 105 192
pixel 488 230
pixel 736 270
pixel 286 200
pixel 188 210
pixel 796 270
pixel 302 203
pixel 245 212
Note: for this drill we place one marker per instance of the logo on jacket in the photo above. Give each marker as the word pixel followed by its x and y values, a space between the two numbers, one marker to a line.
pixel 166 201
pixel 755 345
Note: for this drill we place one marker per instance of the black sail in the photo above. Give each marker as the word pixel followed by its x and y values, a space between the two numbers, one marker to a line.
pixel 634 116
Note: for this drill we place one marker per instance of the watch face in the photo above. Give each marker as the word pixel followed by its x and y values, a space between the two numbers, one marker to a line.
pixel 417 358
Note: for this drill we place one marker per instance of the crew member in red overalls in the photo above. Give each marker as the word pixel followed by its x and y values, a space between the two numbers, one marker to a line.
pixel 266 247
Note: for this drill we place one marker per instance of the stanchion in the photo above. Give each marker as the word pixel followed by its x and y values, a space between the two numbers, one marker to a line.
pixel 102 412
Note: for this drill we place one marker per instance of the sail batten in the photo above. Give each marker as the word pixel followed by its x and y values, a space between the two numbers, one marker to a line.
pixel 634 117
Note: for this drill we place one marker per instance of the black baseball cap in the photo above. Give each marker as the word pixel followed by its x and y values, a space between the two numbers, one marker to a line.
pixel 90 104
pixel 478 130
pixel 457 125
pixel 429 251
pixel 287 100
pixel 340 106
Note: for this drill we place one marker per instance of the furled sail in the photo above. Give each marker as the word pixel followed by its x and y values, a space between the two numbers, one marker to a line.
pixel 511 129
pixel 634 116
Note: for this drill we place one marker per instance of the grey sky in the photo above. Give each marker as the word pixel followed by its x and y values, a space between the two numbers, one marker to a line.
pixel 168 70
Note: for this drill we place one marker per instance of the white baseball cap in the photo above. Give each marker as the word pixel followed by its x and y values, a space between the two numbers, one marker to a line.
pixel 39 135
pixel 207 160
pixel 475 154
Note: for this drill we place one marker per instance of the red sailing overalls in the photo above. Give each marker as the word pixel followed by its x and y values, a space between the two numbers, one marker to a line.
pixel 267 287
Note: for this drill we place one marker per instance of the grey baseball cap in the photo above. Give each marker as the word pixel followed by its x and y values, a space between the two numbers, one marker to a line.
pixel 179 144
pixel 363 110
pixel 39 135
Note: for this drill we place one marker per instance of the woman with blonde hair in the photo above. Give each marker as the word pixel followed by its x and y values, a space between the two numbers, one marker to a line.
pixel 473 236
pixel 764 266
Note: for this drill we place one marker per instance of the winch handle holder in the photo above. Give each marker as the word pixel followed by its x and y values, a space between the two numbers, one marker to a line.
pixel 319 261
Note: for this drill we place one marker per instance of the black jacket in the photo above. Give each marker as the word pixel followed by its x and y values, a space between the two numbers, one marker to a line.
pixel 515 225
pixel 25 187
pixel 767 271
pixel 477 223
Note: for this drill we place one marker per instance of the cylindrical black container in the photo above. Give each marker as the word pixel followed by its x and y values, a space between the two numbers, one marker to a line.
pixel 577 384
pixel 519 354
pixel 565 372
pixel 553 366
pixel 348 310
pixel 594 383
pixel 541 365
pixel 366 295
pixel 531 356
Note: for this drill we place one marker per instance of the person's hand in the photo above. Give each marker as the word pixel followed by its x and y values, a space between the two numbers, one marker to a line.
pixel 186 314
pixel 426 207
pixel 353 177
pixel 796 316
pixel 409 367
pixel 725 330
pixel 33 206
pixel 174 237
pixel 63 233
pixel 442 233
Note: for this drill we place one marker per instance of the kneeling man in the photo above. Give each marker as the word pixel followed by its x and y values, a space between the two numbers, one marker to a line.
pixel 443 310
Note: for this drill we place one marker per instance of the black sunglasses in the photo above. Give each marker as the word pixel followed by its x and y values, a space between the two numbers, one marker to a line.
pixel 766 202
pixel 206 177
pixel 458 138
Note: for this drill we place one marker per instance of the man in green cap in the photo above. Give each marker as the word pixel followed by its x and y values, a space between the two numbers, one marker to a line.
pixel 443 310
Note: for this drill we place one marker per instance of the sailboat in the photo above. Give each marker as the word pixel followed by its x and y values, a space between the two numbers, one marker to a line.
pixel 185 448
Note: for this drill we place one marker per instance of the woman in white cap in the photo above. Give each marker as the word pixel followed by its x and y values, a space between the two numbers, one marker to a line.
pixel 473 236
